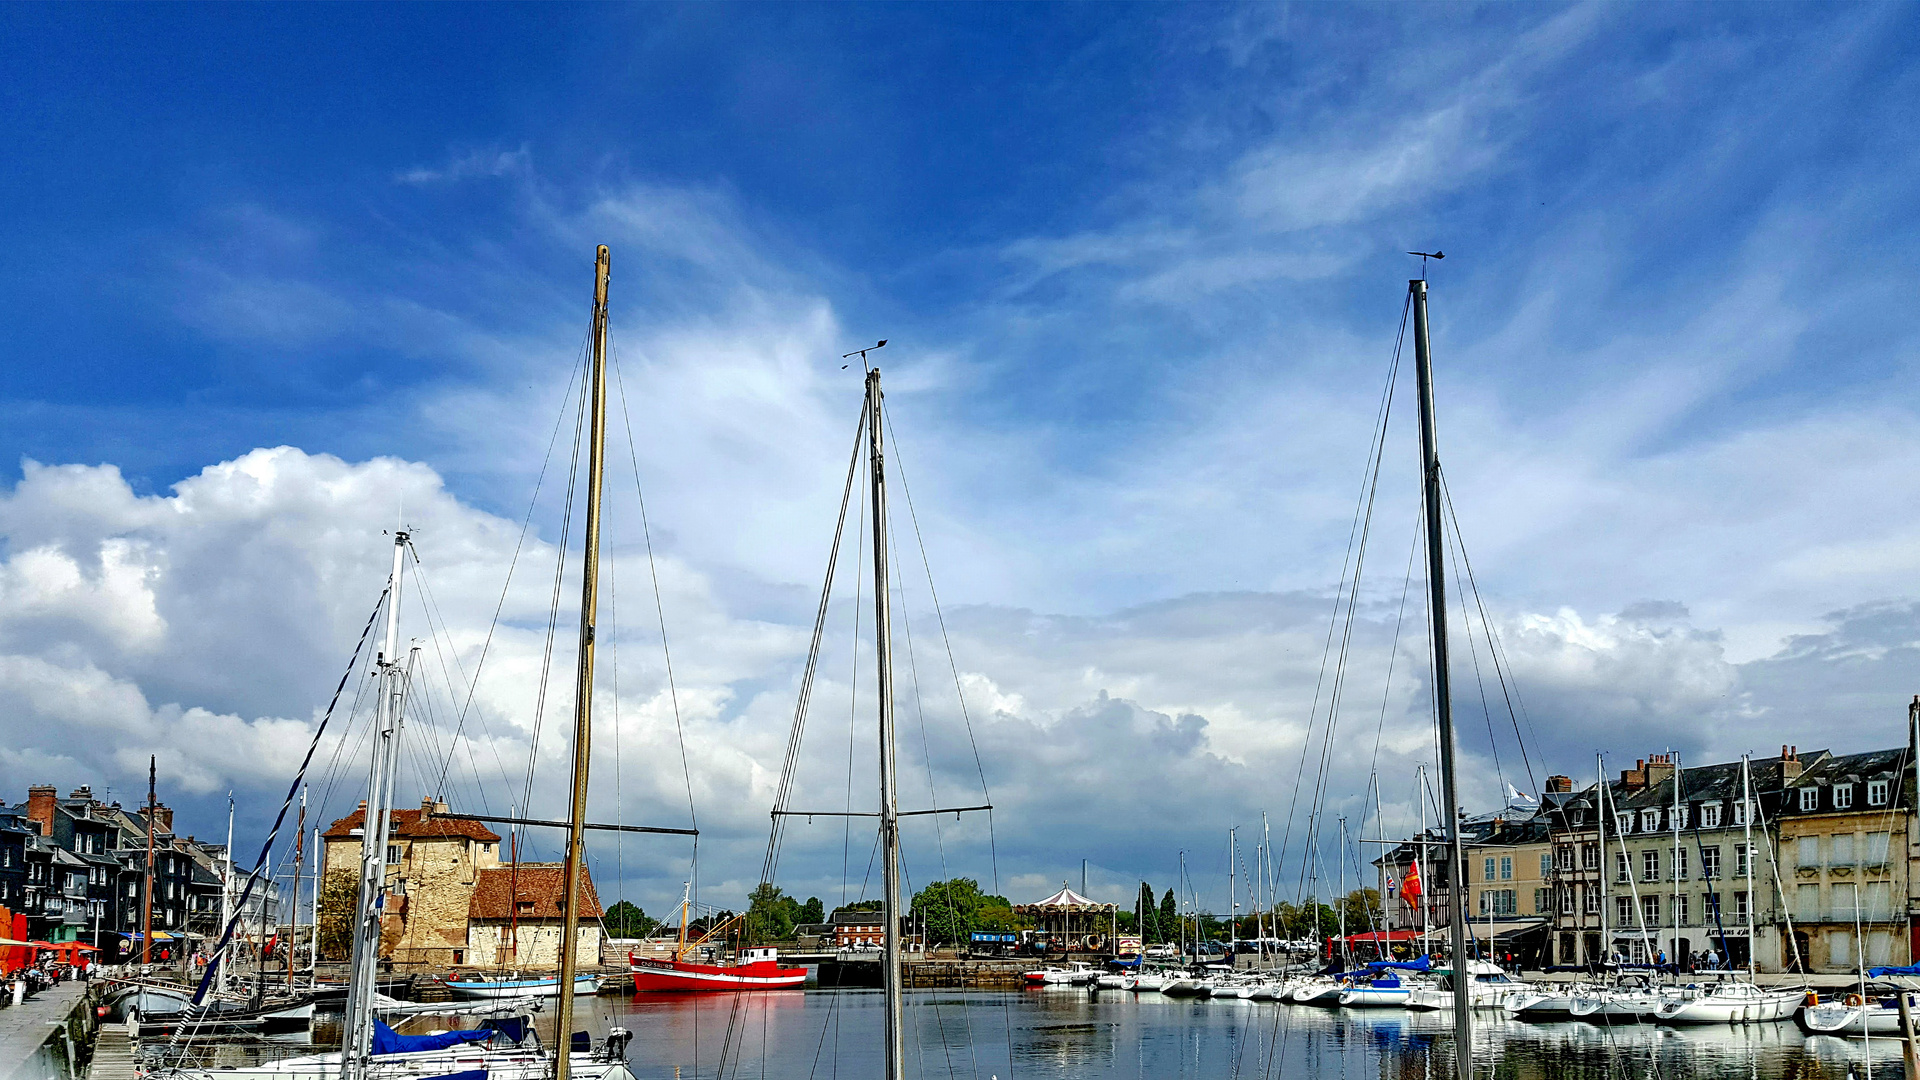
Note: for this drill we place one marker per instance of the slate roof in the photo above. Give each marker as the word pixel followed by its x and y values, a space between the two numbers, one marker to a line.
pixel 1892 765
pixel 416 825
pixel 538 889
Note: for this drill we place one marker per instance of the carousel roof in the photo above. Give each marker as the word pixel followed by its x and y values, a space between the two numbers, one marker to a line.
pixel 1067 900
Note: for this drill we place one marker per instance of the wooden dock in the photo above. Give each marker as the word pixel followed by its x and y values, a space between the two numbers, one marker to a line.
pixel 113 1054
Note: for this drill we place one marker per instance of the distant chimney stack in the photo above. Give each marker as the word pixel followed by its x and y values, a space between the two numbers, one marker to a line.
pixel 162 818
pixel 1560 784
pixel 40 799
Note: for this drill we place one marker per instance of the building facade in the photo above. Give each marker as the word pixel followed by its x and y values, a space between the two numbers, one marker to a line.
pixel 516 919
pixel 434 866
pixel 1846 843
pixel 1690 861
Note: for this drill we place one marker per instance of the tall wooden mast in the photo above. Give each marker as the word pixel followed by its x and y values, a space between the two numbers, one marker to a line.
pixel 1442 688
pixel 583 686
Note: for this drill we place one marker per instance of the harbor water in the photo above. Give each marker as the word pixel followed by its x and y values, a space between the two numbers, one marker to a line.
pixel 1060 1033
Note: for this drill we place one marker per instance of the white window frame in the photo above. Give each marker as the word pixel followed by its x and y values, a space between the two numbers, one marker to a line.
pixel 1680 815
pixel 1622 867
pixel 1710 815
pixel 1809 799
pixel 1506 868
pixel 1843 796
pixel 1623 823
pixel 1649 821
pixel 1709 862
pixel 1877 792
pixel 1650 865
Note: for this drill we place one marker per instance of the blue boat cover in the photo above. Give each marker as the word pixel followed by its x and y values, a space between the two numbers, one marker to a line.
pixel 469 1074
pixel 388 1041
pixel 1425 963
pixel 513 1027
pixel 1881 971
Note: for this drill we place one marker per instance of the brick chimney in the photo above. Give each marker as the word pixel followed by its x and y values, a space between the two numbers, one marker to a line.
pixel 1635 778
pixel 1560 784
pixel 1659 769
pixel 40 800
pixel 1790 764
pixel 162 818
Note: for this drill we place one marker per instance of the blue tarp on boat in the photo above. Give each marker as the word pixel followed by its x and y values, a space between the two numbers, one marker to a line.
pixel 388 1041
pixel 1883 971
pixel 1425 963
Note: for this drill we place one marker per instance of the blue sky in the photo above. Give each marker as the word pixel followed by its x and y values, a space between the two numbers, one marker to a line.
pixel 1140 267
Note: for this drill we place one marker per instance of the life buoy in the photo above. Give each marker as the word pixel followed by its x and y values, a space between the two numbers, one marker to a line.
pixel 1853 1001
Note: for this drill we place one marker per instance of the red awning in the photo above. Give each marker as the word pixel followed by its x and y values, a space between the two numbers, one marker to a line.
pixel 1383 935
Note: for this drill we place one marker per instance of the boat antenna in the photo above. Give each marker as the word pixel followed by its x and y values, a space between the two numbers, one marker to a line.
pixel 1424 256
pixel 862 354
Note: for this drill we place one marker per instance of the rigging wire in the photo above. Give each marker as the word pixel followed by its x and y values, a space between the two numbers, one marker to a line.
pixel 1344 597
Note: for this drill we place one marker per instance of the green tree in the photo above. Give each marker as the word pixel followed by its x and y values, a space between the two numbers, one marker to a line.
pixel 1150 933
pixel 339 891
pixel 813 911
pixel 1169 916
pixel 626 920
pixel 771 914
pixel 1363 910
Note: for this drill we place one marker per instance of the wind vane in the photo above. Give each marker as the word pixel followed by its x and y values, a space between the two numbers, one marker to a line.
pixel 1424 256
pixel 862 354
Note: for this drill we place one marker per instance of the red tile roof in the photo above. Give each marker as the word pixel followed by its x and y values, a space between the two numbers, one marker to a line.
pixel 536 890
pixel 416 825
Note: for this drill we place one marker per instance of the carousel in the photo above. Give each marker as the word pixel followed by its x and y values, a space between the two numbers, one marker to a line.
pixel 1069 922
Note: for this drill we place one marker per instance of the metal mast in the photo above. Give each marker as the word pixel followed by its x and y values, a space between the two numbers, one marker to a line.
pixel 583 687
pixel 1442 690
pixel 1673 870
pixel 889 808
pixel 293 897
pixel 1746 817
pixel 146 919
pixel 1600 820
pixel 226 897
pixel 356 1043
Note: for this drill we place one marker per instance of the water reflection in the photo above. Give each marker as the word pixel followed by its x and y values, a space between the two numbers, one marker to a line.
pixel 1058 1034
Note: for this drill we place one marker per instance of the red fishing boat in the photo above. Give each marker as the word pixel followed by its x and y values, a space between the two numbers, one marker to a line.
pixel 756 969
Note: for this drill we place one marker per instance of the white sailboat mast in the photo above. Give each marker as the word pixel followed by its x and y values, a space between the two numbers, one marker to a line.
pixel 1600 821
pixel 1746 818
pixel 226 898
pixel 356 1047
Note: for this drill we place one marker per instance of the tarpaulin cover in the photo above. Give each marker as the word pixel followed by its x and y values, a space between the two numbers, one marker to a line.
pixel 1883 971
pixel 1425 963
pixel 513 1027
pixel 470 1074
pixel 388 1041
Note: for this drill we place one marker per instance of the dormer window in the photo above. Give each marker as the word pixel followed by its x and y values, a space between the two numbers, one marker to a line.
pixel 1649 820
pixel 1710 816
pixel 1623 823
pixel 1740 812
pixel 1842 796
pixel 1680 816
pixel 1876 793
pixel 1809 799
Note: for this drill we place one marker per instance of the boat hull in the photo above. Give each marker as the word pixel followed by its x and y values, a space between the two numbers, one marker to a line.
pixel 1834 1018
pixel 518 988
pixel 1374 997
pixel 682 977
pixel 1756 1007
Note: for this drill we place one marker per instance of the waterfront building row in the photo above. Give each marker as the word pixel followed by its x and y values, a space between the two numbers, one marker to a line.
pixel 1816 851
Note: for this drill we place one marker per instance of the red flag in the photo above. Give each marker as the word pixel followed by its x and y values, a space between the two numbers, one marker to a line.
pixel 1410 885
